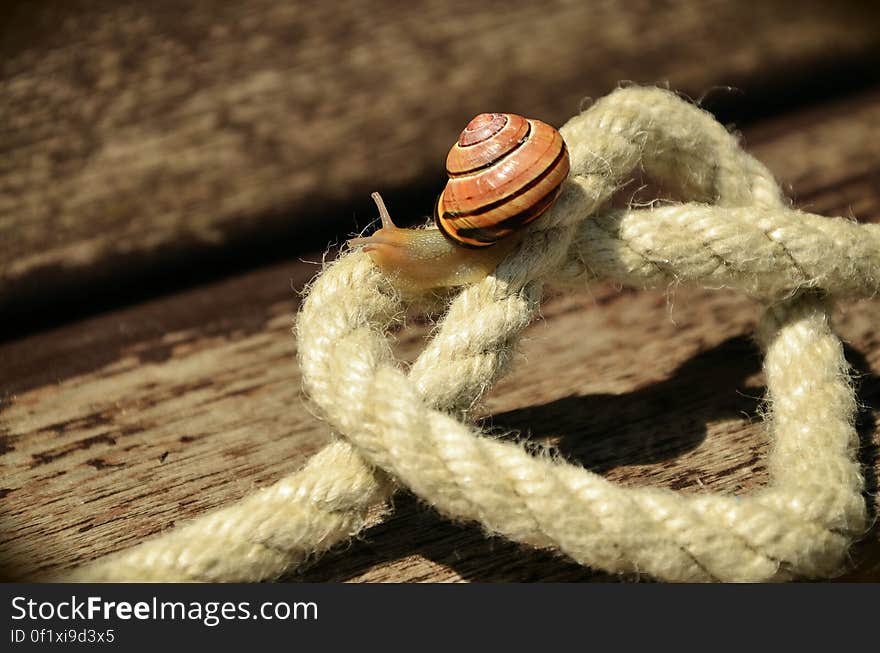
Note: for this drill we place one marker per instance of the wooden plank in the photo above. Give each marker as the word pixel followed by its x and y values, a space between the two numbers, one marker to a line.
pixel 138 139
pixel 117 427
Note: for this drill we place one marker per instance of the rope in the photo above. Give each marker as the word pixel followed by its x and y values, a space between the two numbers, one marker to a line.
pixel 397 428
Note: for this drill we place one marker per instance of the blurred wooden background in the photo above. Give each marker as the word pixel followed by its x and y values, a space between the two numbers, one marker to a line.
pixel 170 176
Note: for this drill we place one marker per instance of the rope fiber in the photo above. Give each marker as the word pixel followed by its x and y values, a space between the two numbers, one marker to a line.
pixel 396 428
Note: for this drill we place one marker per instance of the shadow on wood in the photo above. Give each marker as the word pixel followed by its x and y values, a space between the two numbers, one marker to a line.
pixel 603 431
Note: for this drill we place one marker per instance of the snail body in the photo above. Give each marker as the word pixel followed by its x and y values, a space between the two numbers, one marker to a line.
pixel 504 172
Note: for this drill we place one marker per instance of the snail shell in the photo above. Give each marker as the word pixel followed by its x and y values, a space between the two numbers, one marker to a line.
pixel 504 171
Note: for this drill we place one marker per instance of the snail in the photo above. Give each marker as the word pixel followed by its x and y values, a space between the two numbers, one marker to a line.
pixel 504 172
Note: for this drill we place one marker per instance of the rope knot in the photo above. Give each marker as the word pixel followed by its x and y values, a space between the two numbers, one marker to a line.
pixel 736 230
pixel 397 428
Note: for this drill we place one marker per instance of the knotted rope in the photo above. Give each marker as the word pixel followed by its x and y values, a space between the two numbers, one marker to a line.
pixel 403 429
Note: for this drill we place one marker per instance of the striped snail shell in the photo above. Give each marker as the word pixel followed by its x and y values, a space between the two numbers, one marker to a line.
pixel 504 171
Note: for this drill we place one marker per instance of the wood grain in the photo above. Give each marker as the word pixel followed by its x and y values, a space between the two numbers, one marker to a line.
pixel 140 138
pixel 117 427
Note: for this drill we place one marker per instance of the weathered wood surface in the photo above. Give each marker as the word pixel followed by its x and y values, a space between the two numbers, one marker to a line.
pixel 135 136
pixel 117 427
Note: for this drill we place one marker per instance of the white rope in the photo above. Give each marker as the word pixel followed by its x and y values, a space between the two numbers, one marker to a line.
pixel 737 232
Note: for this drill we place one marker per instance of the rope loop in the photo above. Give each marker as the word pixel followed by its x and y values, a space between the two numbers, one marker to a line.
pixel 395 428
